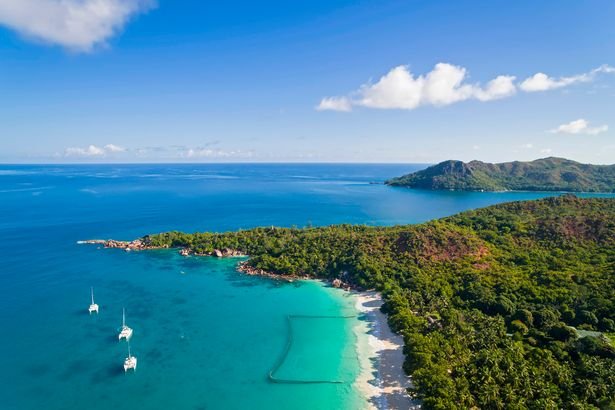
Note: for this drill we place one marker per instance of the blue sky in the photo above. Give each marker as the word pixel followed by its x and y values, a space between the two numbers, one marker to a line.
pixel 308 81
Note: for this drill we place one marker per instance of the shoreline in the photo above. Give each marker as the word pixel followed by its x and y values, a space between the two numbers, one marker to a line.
pixel 382 380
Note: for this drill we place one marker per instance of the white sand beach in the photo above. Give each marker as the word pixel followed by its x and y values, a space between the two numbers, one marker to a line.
pixel 382 379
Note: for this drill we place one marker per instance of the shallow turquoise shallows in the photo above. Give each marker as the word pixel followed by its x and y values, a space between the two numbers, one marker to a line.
pixel 205 336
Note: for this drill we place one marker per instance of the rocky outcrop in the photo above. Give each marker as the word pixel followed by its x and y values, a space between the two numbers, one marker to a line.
pixel 136 245
pixel 246 268
pixel 218 253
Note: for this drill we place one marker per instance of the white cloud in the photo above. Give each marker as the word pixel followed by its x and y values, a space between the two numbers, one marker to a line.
pixel 200 152
pixel 400 89
pixel 89 151
pixel 114 148
pixel 334 104
pixel 93 151
pixel 444 85
pixel 183 152
pixel 527 146
pixel 546 151
pixel 78 25
pixel 543 82
pixel 579 126
pixel 500 87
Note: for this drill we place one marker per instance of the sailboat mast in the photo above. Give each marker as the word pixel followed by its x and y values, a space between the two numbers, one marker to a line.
pixel 92 292
pixel 123 317
pixel 129 355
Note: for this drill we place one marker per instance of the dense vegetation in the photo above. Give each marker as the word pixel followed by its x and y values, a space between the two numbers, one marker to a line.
pixel 548 174
pixel 491 302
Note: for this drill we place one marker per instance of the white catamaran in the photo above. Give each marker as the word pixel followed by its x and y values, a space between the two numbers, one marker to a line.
pixel 93 307
pixel 125 332
pixel 130 362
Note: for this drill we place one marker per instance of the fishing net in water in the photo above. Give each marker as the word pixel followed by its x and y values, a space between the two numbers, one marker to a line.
pixel 315 352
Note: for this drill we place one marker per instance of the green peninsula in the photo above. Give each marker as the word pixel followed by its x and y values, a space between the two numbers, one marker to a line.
pixel 547 174
pixel 508 306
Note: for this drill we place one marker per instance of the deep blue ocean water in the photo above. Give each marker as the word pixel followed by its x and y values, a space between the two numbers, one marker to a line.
pixel 205 336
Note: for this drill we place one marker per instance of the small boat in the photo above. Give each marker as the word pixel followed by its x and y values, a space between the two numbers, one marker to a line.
pixel 130 362
pixel 93 306
pixel 125 332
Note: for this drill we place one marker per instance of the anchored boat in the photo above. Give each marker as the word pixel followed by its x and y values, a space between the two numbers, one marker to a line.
pixel 130 362
pixel 125 332
pixel 93 306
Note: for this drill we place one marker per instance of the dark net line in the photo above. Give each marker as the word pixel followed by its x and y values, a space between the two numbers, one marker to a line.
pixel 289 343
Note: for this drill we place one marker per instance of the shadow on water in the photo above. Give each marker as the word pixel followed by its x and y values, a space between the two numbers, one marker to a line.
pixel 74 368
pixel 81 312
pixel 109 372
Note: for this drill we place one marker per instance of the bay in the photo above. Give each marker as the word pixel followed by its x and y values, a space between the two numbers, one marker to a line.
pixel 205 336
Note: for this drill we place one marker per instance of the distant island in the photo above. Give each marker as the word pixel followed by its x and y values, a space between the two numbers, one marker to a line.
pixel 514 303
pixel 547 174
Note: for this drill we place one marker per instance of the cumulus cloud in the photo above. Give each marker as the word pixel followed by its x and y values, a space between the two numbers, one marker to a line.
pixel 543 82
pixel 78 25
pixel 579 126
pixel 92 151
pixel 334 104
pixel 114 148
pixel 500 87
pixel 401 89
pixel 445 84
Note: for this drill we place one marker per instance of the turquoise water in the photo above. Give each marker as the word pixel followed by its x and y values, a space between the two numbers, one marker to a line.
pixel 205 336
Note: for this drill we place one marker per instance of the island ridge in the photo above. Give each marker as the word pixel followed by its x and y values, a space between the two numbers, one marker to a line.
pixel 547 174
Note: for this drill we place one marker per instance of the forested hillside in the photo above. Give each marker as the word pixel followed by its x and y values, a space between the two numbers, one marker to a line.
pixel 547 174
pixel 492 303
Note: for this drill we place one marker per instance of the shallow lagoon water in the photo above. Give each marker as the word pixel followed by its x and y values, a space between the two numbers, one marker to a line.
pixel 206 337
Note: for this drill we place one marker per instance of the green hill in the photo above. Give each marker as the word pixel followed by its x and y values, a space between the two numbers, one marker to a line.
pixel 548 174
pixel 487 300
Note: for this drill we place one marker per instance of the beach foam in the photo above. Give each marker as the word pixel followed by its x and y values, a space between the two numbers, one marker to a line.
pixel 379 348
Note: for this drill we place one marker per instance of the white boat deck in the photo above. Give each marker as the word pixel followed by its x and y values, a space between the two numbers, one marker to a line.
pixel 130 363
pixel 125 333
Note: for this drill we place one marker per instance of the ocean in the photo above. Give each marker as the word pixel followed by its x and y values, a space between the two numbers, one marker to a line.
pixel 206 337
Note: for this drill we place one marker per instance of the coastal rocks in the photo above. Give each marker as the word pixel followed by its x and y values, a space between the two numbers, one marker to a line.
pixel 218 253
pixel 337 283
pixel 146 244
pixel 136 245
pixel 245 267
pixel 226 253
